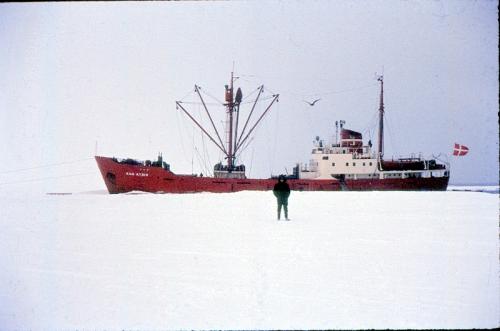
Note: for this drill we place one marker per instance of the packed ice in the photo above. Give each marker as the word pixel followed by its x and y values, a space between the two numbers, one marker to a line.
pixel 222 261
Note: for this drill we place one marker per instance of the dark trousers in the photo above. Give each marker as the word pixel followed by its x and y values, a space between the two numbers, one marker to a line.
pixel 282 202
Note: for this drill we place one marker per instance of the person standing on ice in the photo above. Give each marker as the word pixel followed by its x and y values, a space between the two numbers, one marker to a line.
pixel 282 192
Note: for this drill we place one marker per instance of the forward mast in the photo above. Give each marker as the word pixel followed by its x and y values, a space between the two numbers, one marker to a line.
pixel 235 141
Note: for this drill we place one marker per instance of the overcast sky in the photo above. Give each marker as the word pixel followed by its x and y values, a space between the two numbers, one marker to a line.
pixel 73 74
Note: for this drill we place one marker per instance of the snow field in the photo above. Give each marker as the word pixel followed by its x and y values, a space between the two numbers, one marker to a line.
pixel 222 261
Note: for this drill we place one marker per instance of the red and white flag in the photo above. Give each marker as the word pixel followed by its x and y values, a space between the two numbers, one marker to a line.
pixel 460 150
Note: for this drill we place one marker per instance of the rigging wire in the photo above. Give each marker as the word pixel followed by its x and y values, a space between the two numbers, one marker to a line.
pixel 199 158
pixel 204 156
pixel 389 130
pixel 46 165
pixel 276 126
pixel 46 178
pixel 195 150
pixel 244 147
pixel 210 95
pixel 372 124
pixel 188 94
pixel 303 95
pixel 250 94
pixel 198 103
pixel 260 100
pixel 192 152
pixel 220 104
pixel 251 161
pixel 246 144
pixel 341 91
pixel 179 121
pixel 209 169
pixel 268 89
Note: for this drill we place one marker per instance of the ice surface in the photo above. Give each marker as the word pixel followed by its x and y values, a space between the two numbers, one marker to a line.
pixel 219 261
pixel 475 188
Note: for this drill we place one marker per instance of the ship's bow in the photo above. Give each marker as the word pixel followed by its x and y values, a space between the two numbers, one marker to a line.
pixel 109 174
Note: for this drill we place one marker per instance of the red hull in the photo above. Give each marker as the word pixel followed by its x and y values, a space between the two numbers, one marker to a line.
pixel 122 178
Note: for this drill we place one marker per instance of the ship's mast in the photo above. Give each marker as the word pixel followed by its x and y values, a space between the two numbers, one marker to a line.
pixel 235 140
pixel 381 119
pixel 230 109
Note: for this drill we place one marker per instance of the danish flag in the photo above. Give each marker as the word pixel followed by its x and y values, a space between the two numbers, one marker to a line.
pixel 460 150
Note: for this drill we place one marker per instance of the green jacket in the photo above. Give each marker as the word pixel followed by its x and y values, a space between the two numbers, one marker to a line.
pixel 281 190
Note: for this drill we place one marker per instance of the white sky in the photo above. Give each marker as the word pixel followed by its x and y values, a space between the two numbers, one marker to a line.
pixel 72 74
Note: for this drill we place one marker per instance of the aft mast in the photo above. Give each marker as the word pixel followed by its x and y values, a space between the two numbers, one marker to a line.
pixel 380 151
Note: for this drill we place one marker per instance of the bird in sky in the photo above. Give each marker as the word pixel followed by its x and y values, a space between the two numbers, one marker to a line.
pixel 311 103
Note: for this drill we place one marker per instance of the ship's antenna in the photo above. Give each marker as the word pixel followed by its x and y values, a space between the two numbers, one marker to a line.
pixel 381 118
pixel 336 132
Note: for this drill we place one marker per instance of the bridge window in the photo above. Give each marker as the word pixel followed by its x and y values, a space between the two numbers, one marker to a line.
pixel 354 164
pixel 325 157
pixel 370 163
pixel 333 164
pixel 364 163
pixel 347 164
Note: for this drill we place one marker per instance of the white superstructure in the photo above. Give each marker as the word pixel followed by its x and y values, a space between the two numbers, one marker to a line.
pixel 350 159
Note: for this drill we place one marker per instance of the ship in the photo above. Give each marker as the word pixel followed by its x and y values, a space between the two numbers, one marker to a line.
pixel 346 164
